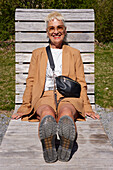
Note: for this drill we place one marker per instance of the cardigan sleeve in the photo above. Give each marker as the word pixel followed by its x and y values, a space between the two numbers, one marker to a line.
pixel 25 108
pixel 81 79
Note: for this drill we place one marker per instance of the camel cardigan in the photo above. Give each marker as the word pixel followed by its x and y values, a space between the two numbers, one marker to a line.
pixel 72 66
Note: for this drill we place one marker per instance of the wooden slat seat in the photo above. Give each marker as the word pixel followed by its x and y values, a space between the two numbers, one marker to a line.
pixel 30 33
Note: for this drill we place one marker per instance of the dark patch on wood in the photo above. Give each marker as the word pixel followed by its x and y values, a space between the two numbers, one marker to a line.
pixel 81 139
pixel 98 138
pixel 95 125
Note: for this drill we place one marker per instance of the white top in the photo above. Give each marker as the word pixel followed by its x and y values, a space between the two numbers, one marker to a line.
pixel 57 57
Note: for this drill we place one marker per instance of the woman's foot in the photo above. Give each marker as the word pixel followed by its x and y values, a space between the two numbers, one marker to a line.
pixel 67 134
pixel 47 134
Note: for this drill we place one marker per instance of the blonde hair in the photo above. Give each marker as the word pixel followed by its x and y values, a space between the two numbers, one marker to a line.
pixel 54 15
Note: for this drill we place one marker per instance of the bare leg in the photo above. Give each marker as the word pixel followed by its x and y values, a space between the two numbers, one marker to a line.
pixel 44 110
pixel 69 110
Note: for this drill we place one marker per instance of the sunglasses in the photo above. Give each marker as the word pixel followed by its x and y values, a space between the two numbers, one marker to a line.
pixel 60 28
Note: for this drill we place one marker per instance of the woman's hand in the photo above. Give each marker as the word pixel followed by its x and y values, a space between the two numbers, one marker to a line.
pixel 16 116
pixel 93 115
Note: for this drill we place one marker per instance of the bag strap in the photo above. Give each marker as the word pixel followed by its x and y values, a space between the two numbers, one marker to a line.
pixel 52 65
pixel 50 57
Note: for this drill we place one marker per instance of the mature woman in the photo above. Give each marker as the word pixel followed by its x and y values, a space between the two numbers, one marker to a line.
pixel 38 99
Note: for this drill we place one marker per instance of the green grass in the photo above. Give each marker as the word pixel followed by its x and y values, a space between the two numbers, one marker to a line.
pixel 7 77
pixel 103 76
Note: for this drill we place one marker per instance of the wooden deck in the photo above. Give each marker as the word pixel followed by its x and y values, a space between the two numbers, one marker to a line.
pixel 21 148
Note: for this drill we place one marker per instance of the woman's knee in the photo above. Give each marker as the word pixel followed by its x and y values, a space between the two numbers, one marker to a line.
pixel 68 110
pixel 48 109
pixel 45 110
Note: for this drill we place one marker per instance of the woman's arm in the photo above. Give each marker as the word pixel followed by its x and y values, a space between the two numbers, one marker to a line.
pixel 27 97
pixel 81 79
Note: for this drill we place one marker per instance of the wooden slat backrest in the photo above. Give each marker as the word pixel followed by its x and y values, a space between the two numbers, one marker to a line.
pixel 30 33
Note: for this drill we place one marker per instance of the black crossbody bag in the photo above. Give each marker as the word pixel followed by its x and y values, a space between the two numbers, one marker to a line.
pixel 65 85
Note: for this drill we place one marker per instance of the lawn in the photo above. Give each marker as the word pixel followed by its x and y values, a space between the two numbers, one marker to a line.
pixel 103 76
pixel 7 77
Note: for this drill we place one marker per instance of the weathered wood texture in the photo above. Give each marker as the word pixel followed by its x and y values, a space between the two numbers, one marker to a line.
pixel 21 78
pixel 42 37
pixel 21 87
pixel 29 47
pixel 40 15
pixel 30 33
pixel 40 26
pixel 21 148
pixel 26 57
pixel 23 68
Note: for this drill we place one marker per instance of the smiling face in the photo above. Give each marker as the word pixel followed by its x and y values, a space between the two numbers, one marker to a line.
pixel 56 32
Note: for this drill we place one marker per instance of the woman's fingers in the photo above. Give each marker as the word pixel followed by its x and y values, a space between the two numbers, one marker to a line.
pixel 97 116
pixel 16 116
pixel 93 115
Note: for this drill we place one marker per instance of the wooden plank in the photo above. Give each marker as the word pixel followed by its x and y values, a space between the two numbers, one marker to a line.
pixel 89 68
pixel 20 88
pixel 21 78
pixel 23 57
pixel 23 68
pixel 87 57
pixel 41 26
pixel 90 78
pixel 26 57
pixel 89 163
pixel 28 163
pixel 18 98
pixel 30 159
pixel 42 37
pixel 36 16
pixel 29 47
pixel 40 14
pixel 50 10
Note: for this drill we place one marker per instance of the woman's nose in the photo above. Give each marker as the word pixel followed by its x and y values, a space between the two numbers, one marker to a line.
pixel 55 30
